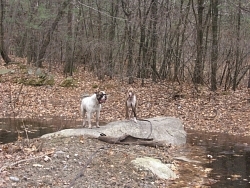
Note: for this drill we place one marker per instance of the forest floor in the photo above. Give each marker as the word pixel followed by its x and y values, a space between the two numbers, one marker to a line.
pixel 57 162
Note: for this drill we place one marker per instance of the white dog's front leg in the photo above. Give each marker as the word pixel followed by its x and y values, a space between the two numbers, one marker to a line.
pixel 83 116
pixel 89 119
pixel 97 118
pixel 135 120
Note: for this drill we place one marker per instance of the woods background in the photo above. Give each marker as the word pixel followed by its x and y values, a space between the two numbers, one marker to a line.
pixel 200 41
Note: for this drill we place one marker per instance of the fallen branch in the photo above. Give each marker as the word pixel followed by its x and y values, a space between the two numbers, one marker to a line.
pixel 24 160
pixel 81 173
pixel 130 140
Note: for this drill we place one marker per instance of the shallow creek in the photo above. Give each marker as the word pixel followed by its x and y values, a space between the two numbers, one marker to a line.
pixel 226 158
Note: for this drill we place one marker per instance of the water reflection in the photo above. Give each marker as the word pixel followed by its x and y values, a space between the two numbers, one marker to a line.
pixel 231 158
pixel 11 128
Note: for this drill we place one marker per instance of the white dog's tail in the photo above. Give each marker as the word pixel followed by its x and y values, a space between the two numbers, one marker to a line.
pixel 84 95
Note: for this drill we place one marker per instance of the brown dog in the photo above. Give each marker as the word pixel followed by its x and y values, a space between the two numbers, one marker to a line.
pixel 131 103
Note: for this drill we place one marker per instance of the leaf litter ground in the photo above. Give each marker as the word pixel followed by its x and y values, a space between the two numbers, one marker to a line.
pixel 59 162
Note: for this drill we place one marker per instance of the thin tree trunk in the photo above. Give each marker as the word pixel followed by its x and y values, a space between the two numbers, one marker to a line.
pixel 198 69
pixel 214 54
pixel 248 85
pixel 21 44
pixel 68 68
pixel 129 28
pixel 2 46
pixel 143 47
pixel 154 38
pixel 183 38
pixel 165 68
pixel 114 12
pixel 177 49
pixel 237 62
pixel 130 55
pixel 48 35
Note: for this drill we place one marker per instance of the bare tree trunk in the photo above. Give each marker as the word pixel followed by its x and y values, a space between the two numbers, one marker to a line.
pixel 114 12
pixel 198 69
pixel 214 54
pixel 180 38
pixel 22 40
pixel 165 71
pixel 2 46
pixel 143 48
pixel 130 55
pixel 237 62
pixel 248 85
pixel 177 49
pixel 48 35
pixel 68 68
pixel 154 38
pixel 129 28
pixel 164 65
pixel 183 38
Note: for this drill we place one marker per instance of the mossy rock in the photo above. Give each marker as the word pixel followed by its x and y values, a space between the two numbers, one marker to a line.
pixel 5 71
pixel 109 86
pixel 22 66
pixel 225 93
pixel 40 73
pixel 49 80
pixel 68 82
pixel 33 82
pixel 95 86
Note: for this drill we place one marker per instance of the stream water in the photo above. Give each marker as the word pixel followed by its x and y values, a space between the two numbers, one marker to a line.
pixel 10 128
pixel 230 157
pixel 230 162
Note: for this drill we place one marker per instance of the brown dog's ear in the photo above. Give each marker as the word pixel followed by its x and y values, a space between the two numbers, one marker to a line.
pixel 97 90
pixel 130 90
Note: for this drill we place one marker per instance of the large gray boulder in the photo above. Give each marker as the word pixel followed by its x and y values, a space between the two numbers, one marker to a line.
pixel 163 129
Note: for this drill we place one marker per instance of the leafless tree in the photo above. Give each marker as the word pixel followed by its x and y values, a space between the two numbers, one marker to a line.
pixel 2 46
pixel 49 33
pixel 173 40
pixel 214 52
pixel 198 67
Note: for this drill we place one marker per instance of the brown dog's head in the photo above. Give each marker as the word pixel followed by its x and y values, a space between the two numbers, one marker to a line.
pixel 101 96
pixel 130 92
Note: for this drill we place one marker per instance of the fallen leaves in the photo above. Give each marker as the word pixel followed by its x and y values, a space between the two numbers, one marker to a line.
pixel 220 111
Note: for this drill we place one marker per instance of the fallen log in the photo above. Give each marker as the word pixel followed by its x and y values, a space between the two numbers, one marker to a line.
pixel 131 140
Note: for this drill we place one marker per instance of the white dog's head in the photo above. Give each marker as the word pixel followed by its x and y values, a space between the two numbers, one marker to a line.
pixel 101 96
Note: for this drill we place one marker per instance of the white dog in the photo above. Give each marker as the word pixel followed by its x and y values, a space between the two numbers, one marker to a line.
pixel 92 104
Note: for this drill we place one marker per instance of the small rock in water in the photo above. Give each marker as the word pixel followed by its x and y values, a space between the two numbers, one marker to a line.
pixel 209 156
pixel 37 165
pixel 46 158
pixel 15 179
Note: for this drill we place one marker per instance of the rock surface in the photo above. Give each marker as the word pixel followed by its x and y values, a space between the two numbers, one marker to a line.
pixel 166 129
pixel 161 170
